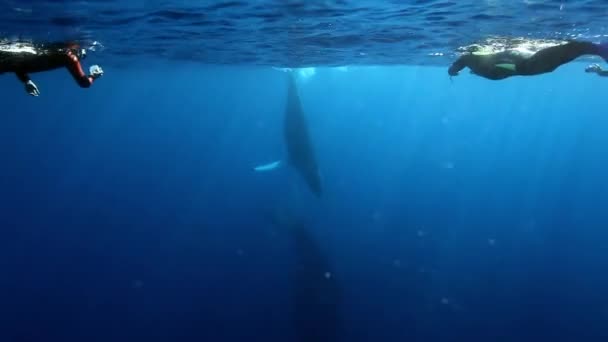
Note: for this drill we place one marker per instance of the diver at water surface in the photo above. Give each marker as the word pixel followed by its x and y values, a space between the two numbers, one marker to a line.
pixel 23 58
pixel 514 62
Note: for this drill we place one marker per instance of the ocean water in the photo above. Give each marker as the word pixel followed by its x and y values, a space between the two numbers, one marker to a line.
pixel 456 209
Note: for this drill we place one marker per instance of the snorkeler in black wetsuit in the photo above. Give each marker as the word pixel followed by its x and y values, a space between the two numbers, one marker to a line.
pixel 500 65
pixel 23 58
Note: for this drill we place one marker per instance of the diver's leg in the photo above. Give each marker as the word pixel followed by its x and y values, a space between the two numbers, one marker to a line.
pixel 549 59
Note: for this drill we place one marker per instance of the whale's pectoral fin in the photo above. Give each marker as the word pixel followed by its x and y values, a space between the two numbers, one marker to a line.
pixel 268 167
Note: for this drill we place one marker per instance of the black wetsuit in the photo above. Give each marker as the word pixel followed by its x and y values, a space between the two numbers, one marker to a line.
pixel 25 58
pixel 511 63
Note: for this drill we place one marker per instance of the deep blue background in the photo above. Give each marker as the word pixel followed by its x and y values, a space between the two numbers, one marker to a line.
pixel 453 210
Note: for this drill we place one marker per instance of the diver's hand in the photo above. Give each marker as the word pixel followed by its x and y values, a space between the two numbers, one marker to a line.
pixel 593 68
pixel 31 88
pixel 453 70
pixel 96 71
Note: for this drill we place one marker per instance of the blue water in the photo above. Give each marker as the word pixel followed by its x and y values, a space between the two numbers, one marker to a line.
pixel 453 210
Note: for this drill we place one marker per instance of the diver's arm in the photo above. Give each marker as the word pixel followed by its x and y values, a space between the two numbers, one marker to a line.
pixel 597 69
pixel 75 69
pixel 23 77
pixel 458 65
pixel 30 86
pixel 602 72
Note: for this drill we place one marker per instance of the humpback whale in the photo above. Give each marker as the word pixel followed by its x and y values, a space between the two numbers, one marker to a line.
pixel 300 152
pixel 297 138
pixel 317 293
